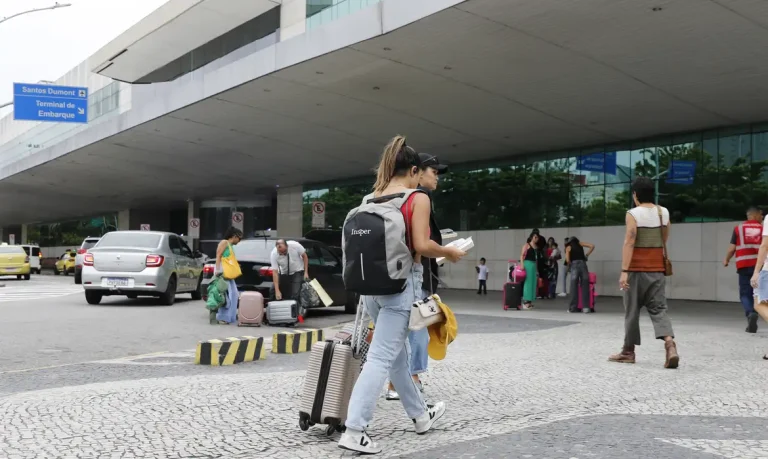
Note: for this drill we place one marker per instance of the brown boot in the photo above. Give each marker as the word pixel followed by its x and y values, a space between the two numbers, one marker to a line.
pixel 673 359
pixel 627 355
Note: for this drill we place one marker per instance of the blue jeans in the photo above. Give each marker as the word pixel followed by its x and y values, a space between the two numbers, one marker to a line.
pixel 746 294
pixel 388 356
pixel 419 340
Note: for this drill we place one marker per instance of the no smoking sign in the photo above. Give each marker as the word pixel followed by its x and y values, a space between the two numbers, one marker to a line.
pixel 194 228
pixel 237 220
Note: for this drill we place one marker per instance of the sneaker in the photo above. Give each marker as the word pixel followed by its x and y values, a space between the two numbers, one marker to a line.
pixel 561 295
pixel 392 395
pixel 420 385
pixel 359 442
pixel 425 422
pixel 752 323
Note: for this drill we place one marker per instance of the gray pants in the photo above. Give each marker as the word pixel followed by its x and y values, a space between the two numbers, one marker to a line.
pixel 579 277
pixel 646 289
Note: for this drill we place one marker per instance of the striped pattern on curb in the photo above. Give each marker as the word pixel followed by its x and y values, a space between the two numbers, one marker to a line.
pixel 229 351
pixel 295 341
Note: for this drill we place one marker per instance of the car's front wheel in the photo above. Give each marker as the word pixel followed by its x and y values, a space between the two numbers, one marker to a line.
pixel 169 296
pixel 93 297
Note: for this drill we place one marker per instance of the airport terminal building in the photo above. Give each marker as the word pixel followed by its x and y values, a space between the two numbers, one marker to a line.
pixel 545 111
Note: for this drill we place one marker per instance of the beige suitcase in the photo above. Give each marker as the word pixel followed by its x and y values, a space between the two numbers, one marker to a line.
pixel 331 375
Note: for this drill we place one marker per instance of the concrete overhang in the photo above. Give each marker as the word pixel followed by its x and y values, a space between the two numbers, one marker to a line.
pixel 174 29
pixel 479 80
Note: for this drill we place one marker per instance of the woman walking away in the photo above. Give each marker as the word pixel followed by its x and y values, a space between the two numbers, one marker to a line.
pixel 225 251
pixel 577 260
pixel 759 280
pixel 398 172
pixel 554 256
pixel 529 255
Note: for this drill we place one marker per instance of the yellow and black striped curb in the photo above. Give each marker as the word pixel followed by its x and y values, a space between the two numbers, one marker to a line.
pixel 229 351
pixel 295 341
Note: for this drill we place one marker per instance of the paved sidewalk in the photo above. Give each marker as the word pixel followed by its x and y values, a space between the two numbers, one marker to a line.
pixel 518 384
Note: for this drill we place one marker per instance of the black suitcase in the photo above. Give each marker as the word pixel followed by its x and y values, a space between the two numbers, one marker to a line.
pixel 513 295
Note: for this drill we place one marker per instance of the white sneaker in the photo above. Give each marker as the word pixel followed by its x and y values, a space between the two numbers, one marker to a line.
pixel 392 395
pixel 562 294
pixel 424 422
pixel 359 442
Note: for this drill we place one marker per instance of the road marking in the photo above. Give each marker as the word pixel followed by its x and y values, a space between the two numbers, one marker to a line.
pixel 26 290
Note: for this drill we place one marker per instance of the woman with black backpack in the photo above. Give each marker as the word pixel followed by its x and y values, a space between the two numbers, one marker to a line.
pixel 397 175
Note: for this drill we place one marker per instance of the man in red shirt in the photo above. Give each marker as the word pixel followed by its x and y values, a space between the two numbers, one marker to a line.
pixel 745 244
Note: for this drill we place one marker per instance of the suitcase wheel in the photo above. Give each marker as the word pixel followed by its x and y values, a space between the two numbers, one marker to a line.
pixel 330 430
pixel 506 307
pixel 303 423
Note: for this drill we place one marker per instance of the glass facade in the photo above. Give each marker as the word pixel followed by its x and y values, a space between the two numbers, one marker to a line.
pixel 72 232
pixel 702 177
pixel 323 11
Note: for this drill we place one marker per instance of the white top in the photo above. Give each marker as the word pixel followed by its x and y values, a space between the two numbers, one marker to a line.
pixel 482 273
pixel 648 217
pixel 294 252
pixel 765 234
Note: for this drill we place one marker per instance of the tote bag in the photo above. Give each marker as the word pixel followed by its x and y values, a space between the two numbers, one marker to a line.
pixel 229 266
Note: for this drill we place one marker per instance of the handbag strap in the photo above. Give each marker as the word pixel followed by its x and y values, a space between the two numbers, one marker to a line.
pixel 661 233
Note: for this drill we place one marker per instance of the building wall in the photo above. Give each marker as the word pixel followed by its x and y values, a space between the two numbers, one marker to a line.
pixel 695 249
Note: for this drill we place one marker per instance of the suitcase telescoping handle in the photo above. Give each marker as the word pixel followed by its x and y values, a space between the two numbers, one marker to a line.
pixel 386 198
pixel 357 334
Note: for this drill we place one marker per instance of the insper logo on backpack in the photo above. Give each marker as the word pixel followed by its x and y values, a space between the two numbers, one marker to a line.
pixel 380 262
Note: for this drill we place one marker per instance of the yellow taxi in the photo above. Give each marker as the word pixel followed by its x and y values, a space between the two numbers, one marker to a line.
pixel 65 264
pixel 14 261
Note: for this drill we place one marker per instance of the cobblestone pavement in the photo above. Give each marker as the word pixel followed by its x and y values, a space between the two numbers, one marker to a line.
pixel 532 384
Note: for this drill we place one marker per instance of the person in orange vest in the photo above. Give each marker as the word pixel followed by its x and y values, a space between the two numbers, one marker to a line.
pixel 745 245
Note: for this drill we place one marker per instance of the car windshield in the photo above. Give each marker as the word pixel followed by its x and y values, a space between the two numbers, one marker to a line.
pixel 26 249
pixel 88 243
pixel 130 239
pixel 11 249
pixel 254 249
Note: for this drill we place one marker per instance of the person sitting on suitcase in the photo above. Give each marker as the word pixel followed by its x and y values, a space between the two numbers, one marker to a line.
pixel 290 266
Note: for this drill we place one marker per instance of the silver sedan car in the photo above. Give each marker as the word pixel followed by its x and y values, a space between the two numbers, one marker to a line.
pixel 141 263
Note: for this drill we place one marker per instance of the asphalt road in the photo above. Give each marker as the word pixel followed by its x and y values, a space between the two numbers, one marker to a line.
pixel 47 322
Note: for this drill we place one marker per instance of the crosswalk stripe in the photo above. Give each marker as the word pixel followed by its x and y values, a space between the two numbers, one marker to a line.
pixel 37 291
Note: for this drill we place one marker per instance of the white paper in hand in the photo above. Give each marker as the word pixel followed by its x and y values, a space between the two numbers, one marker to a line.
pixel 463 244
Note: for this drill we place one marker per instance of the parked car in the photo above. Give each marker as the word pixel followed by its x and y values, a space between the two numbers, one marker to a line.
pixel 141 263
pixel 253 256
pixel 35 257
pixel 331 238
pixel 14 261
pixel 87 244
pixel 65 264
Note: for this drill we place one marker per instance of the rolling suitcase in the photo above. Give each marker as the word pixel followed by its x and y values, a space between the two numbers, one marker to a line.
pixel 513 291
pixel 283 312
pixel 251 310
pixel 592 293
pixel 334 367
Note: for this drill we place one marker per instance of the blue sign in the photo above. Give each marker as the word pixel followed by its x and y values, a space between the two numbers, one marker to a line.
pixel 56 104
pixel 598 162
pixel 681 172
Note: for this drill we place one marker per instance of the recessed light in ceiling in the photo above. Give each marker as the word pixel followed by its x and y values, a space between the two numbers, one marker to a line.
pixel 657 8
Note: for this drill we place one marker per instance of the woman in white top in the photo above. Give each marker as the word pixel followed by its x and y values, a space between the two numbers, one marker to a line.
pixel 760 280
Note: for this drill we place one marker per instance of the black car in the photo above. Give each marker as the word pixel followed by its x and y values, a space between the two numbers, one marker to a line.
pixel 253 257
pixel 331 238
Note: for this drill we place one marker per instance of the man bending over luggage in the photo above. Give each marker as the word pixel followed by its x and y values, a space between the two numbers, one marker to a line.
pixel 290 265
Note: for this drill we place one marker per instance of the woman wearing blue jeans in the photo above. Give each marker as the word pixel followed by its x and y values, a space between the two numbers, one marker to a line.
pixel 419 339
pixel 388 355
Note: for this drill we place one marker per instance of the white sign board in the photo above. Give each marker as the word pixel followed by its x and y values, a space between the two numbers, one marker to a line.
pixel 194 228
pixel 144 226
pixel 12 239
pixel 237 220
pixel 318 214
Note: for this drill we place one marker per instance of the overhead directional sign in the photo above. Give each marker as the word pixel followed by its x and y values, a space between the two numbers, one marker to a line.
pixel 597 162
pixel 55 104
pixel 681 172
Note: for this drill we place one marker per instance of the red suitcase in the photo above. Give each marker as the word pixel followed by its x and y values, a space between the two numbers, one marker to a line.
pixel 251 310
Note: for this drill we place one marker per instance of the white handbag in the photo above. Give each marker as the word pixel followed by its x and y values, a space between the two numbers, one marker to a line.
pixel 425 312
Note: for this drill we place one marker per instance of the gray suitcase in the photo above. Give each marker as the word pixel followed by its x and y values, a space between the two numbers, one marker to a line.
pixel 283 312
pixel 334 367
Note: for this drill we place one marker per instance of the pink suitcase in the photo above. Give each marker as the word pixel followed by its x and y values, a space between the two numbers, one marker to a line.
pixel 251 310
pixel 592 293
